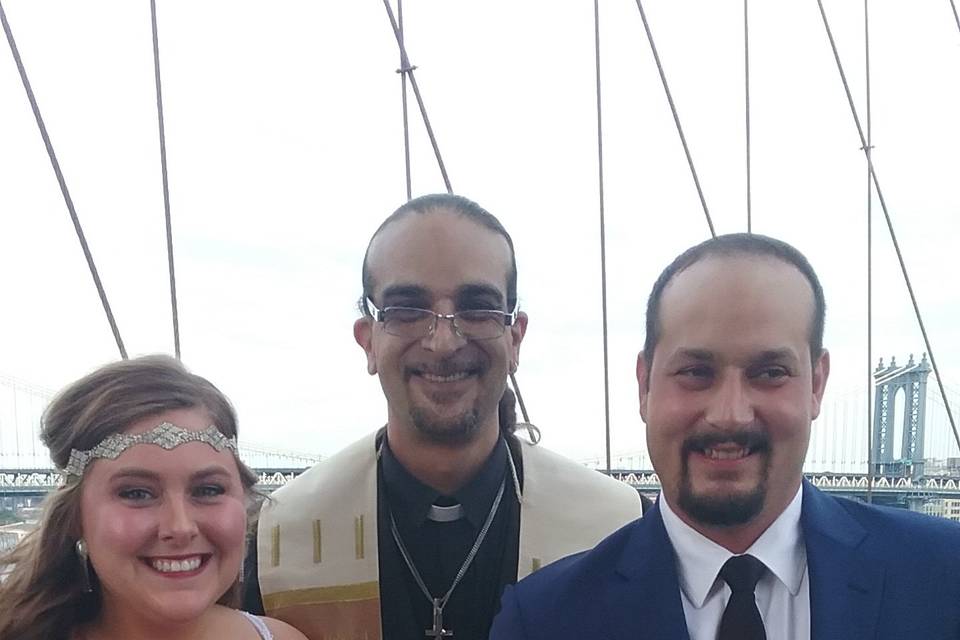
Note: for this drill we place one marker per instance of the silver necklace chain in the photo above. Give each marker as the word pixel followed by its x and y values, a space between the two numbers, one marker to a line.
pixel 466 563
pixel 440 603
pixel 513 474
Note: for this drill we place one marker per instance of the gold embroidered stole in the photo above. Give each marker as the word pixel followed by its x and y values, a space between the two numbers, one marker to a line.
pixel 317 536
pixel 317 548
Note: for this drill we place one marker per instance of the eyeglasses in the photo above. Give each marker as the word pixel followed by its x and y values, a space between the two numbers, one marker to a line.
pixel 473 324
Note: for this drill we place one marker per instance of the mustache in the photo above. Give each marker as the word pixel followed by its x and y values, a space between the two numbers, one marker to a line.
pixel 754 440
pixel 446 367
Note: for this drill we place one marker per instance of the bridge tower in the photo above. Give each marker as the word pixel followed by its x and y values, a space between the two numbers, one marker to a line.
pixel 912 378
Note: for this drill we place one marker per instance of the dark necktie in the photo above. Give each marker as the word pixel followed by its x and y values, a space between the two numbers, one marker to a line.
pixel 741 619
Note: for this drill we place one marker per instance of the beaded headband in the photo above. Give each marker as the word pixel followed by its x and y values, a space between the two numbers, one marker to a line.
pixel 165 434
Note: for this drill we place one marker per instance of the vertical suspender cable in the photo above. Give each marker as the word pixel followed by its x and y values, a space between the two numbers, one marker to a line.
pixel 869 149
pixel 405 64
pixel 403 100
pixel 63 183
pixel 16 427
pixel 676 118
pixel 163 174
pixel 746 84
pixel 603 234
pixel 886 215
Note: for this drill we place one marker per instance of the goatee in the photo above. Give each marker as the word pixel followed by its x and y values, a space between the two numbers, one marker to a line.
pixel 722 511
pixel 456 430
pixel 732 509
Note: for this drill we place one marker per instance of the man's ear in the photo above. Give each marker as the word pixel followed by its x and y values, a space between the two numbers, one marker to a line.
pixel 517 330
pixel 819 375
pixel 643 382
pixel 363 334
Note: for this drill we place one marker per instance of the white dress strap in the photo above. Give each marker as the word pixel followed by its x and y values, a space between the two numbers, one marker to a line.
pixel 259 625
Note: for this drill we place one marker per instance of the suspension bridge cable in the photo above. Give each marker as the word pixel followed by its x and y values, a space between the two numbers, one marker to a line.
pixel 63 183
pixel 955 15
pixel 16 426
pixel 408 70
pixel 163 173
pixel 523 405
pixel 746 83
pixel 403 101
pixel 676 118
pixel 869 149
pixel 886 215
pixel 603 234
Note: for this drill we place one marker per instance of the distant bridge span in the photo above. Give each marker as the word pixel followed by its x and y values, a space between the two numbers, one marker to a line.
pixel 888 489
pixel 39 482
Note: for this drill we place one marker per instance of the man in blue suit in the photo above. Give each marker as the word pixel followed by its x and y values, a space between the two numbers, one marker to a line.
pixel 739 546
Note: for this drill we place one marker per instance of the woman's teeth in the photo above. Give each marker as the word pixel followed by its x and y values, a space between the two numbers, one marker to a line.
pixel 176 566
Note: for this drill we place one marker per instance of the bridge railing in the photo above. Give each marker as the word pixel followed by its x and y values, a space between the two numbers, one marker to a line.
pixel 40 481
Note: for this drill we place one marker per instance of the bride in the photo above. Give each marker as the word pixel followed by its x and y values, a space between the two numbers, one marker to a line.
pixel 146 537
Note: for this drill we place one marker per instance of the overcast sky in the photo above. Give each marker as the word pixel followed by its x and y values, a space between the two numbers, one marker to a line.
pixel 285 152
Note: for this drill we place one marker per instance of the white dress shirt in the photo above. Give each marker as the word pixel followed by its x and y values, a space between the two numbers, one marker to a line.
pixel 783 593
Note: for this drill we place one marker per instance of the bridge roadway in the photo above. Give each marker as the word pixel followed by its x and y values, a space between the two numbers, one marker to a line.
pixel 888 490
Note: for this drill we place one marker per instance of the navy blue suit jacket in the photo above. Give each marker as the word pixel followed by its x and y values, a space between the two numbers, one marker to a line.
pixel 875 573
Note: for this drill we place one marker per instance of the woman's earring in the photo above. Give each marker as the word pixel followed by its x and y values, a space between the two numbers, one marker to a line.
pixel 85 583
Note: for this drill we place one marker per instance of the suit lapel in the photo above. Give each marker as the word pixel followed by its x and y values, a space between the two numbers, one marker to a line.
pixel 846 584
pixel 646 602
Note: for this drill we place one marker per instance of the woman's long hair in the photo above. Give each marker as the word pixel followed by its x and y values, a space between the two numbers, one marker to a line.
pixel 42 594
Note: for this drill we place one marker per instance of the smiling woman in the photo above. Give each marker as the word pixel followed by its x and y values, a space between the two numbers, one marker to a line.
pixel 147 534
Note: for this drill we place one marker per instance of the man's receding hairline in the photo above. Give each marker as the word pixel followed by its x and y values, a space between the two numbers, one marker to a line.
pixel 737 254
pixel 434 210
pixel 733 255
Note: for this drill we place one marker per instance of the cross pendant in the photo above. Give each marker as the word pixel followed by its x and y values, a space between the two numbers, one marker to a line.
pixel 438 631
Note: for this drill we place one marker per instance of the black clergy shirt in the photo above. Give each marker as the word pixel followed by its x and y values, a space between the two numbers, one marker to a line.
pixel 438 549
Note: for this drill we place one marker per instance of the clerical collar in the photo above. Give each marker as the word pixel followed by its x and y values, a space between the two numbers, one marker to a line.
pixel 411 499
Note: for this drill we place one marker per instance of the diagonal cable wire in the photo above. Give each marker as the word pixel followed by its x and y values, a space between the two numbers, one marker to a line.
pixel 408 70
pixel 869 149
pixel 523 405
pixel 603 234
pixel 403 98
pixel 676 118
pixel 746 84
pixel 166 189
pixel 955 15
pixel 63 183
pixel 886 215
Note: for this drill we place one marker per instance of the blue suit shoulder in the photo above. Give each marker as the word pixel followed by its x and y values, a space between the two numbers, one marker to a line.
pixel 573 573
pixel 568 598
pixel 917 535
pixel 880 572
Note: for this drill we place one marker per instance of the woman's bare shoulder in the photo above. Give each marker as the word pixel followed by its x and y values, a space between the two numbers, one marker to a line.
pixel 237 625
pixel 283 631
